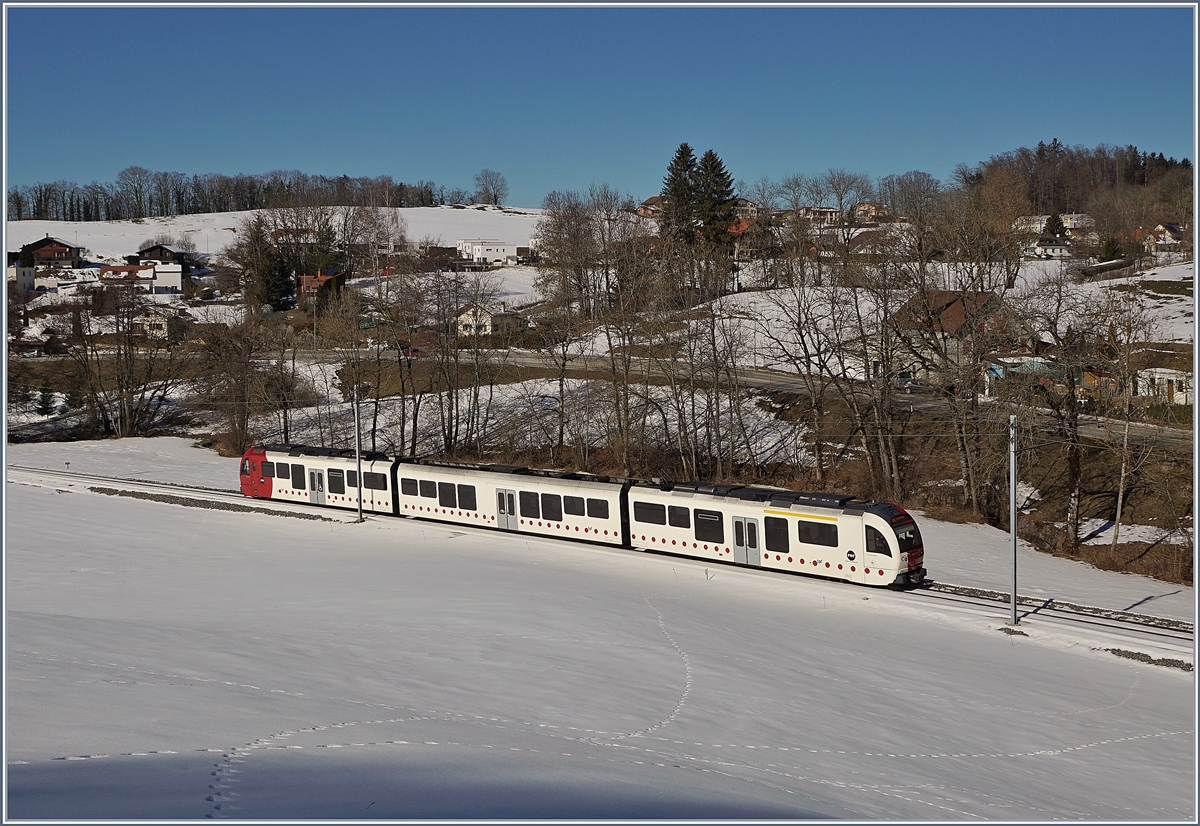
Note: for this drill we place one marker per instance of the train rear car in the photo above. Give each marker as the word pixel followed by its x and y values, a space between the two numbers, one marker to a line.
pixel 319 476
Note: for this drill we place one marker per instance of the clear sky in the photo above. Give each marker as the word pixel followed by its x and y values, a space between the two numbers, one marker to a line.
pixel 559 98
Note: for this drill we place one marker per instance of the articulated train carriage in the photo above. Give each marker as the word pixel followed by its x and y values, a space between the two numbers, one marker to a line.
pixel 822 534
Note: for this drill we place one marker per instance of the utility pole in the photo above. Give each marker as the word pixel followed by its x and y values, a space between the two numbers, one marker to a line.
pixel 358 451
pixel 1012 509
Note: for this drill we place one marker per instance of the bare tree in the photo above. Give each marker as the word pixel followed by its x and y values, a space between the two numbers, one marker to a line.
pixel 490 187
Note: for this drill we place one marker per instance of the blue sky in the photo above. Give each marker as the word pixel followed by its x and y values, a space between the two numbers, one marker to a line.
pixel 559 98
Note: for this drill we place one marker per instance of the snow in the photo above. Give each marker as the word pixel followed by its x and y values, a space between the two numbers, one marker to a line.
pixel 213 232
pixel 165 661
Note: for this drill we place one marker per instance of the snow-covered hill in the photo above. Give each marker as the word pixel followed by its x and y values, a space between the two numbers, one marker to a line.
pixel 111 241
pixel 175 662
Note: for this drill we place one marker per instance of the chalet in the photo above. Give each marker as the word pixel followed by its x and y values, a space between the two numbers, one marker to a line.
pixel 946 329
pixel 166 254
pixel 56 253
pixel 652 207
pixel 162 324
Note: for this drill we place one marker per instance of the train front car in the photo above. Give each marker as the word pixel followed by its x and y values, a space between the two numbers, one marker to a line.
pixel 891 532
pixel 830 535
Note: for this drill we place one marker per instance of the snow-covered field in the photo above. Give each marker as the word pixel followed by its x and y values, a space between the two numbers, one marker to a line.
pixel 165 661
pixel 111 241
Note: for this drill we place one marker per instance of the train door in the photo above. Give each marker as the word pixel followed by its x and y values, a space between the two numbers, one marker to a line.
pixel 316 487
pixel 879 556
pixel 746 548
pixel 506 509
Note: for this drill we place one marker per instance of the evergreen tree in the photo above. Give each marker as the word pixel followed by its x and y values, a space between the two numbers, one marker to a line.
pixel 1054 226
pixel 714 199
pixel 1111 250
pixel 26 258
pixel 45 405
pixel 679 196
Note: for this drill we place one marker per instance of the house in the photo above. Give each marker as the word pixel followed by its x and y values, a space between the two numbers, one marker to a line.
pixel 320 286
pixel 1048 248
pixel 1163 372
pixel 22 279
pixel 165 254
pixel 652 207
pixel 1074 223
pixel 476 320
pixel 1169 237
pixel 871 212
pixel 944 329
pixel 136 276
pixel 56 253
pixel 490 252
pixel 745 210
pixel 162 324
pixel 820 216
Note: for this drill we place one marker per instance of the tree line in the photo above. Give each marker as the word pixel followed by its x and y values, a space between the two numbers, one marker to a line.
pixel 141 193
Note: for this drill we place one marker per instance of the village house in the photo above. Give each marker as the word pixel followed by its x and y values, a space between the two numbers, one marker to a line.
pixel 1048 248
pixel 1163 372
pixel 162 324
pixel 944 330
pixel 56 253
pixel 476 320
pixel 652 207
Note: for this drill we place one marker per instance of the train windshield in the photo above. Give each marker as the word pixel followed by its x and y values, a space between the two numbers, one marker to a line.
pixel 909 537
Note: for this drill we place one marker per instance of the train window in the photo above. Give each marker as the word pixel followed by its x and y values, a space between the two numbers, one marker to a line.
pixel 877 542
pixel 739 531
pixel 597 508
pixel 429 488
pixel 298 477
pixel 466 497
pixel 573 505
pixel 678 517
pixel 268 470
pixel 529 504
pixel 775 532
pixel 245 467
pixel 909 537
pixel 408 487
pixel 651 512
pixel 817 533
pixel 446 495
pixel 337 481
pixel 710 526
pixel 552 507
pixel 375 481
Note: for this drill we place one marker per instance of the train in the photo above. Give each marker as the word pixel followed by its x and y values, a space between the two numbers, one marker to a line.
pixel 835 536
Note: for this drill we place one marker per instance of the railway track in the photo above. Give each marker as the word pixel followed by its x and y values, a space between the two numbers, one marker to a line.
pixel 1163 633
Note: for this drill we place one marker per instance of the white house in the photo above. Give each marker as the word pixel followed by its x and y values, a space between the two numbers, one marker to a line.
pixel 23 279
pixel 1072 222
pixel 487 251
pixel 1048 247
pixel 476 320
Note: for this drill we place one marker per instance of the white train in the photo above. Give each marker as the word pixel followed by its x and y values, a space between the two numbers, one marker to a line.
pixel 820 534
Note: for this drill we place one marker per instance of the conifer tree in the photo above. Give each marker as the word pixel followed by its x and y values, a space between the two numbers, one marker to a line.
pixel 1054 226
pixel 714 198
pixel 679 196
